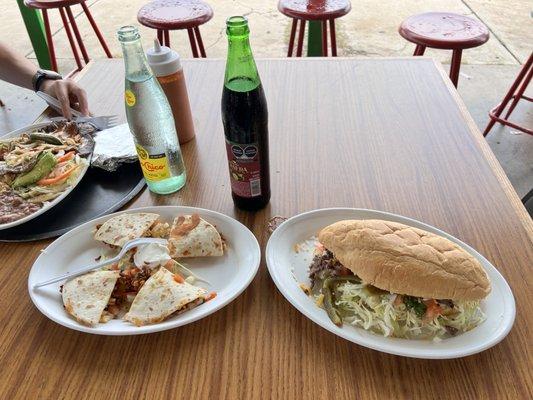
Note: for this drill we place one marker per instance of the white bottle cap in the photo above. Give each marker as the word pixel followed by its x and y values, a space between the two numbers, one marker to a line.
pixel 163 60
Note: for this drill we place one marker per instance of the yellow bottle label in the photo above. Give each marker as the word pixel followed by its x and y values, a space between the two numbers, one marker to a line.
pixel 130 98
pixel 154 166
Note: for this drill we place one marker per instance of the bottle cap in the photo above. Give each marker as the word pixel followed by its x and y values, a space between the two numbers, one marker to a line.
pixel 163 60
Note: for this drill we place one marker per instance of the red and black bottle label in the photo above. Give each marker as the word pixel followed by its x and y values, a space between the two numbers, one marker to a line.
pixel 244 168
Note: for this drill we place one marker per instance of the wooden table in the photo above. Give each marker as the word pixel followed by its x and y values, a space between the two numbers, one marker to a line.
pixel 387 134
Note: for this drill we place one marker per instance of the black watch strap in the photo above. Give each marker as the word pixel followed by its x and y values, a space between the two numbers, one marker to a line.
pixel 41 75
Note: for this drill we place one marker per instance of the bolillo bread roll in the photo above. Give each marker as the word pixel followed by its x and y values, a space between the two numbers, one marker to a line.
pixel 406 260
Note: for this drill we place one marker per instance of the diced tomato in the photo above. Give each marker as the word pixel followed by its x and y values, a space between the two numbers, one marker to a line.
pixel 433 309
pixel 178 278
pixel 211 296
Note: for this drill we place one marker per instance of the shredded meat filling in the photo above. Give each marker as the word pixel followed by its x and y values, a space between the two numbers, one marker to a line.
pixel 327 261
pixel 130 281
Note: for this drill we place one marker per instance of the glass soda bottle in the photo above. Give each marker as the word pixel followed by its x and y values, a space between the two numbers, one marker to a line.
pixel 150 119
pixel 245 120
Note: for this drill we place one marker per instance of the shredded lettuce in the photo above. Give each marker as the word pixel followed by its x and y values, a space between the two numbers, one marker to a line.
pixel 42 194
pixel 377 313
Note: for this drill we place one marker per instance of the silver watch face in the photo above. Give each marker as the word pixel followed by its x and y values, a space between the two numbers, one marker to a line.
pixel 50 74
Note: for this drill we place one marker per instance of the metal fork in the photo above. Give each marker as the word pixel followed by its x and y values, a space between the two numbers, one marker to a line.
pixel 100 122
pixel 127 246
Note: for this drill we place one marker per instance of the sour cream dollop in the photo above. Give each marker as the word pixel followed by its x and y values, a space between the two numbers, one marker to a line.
pixel 151 255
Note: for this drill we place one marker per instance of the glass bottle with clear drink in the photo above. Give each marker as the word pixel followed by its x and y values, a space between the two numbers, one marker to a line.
pixel 150 119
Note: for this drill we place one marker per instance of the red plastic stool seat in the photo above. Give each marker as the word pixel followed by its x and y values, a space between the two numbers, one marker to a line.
pixel 167 15
pixel 48 4
pixel 65 11
pixel 442 30
pixel 314 10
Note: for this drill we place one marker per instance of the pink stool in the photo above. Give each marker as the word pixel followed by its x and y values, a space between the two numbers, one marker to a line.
pixel 64 11
pixel 168 15
pixel 314 10
pixel 442 30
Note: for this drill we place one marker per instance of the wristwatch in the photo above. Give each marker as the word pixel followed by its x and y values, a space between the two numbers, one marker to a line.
pixel 41 75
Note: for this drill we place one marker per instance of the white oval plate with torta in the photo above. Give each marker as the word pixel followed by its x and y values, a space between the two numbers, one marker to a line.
pixel 288 263
pixel 229 274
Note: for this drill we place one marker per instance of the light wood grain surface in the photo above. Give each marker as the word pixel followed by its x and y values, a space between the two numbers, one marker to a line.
pixel 387 134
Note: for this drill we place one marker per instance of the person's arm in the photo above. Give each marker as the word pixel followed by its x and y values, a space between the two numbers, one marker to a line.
pixel 16 69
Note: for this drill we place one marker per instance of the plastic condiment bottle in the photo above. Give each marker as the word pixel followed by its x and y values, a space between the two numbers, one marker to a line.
pixel 166 65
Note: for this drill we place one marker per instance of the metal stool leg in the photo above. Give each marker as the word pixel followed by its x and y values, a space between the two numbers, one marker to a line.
pixel 77 34
pixel 456 66
pixel 495 113
pixel 324 38
pixel 520 92
pixel 160 37
pixel 333 37
pixel 51 52
pixel 96 30
pixel 70 38
pixel 199 41
pixel 300 47
pixel 498 110
pixel 193 43
pixel 167 37
pixel 419 50
pixel 291 38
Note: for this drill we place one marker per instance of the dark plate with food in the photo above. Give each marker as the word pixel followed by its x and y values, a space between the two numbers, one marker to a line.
pixel 39 166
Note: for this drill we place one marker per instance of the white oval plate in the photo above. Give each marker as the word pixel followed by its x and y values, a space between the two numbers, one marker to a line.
pixel 229 274
pixel 288 268
pixel 59 198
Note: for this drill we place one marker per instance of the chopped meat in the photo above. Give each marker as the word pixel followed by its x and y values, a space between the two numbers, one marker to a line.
pixel 445 302
pixel 129 283
pixel 451 330
pixel 4 149
pixel 326 261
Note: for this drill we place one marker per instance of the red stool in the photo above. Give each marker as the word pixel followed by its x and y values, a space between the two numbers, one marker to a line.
pixel 168 15
pixel 441 30
pixel 314 10
pixel 521 83
pixel 64 11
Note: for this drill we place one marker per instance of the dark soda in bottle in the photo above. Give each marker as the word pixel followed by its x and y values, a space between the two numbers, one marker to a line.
pixel 245 119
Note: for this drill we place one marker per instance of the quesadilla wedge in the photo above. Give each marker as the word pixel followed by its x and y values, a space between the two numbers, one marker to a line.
pixel 162 295
pixel 86 296
pixel 192 236
pixel 118 230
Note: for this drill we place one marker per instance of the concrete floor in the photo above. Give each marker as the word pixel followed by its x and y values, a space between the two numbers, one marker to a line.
pixel 370 29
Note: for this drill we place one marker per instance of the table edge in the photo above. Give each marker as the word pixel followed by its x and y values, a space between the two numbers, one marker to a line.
pixel 488 154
